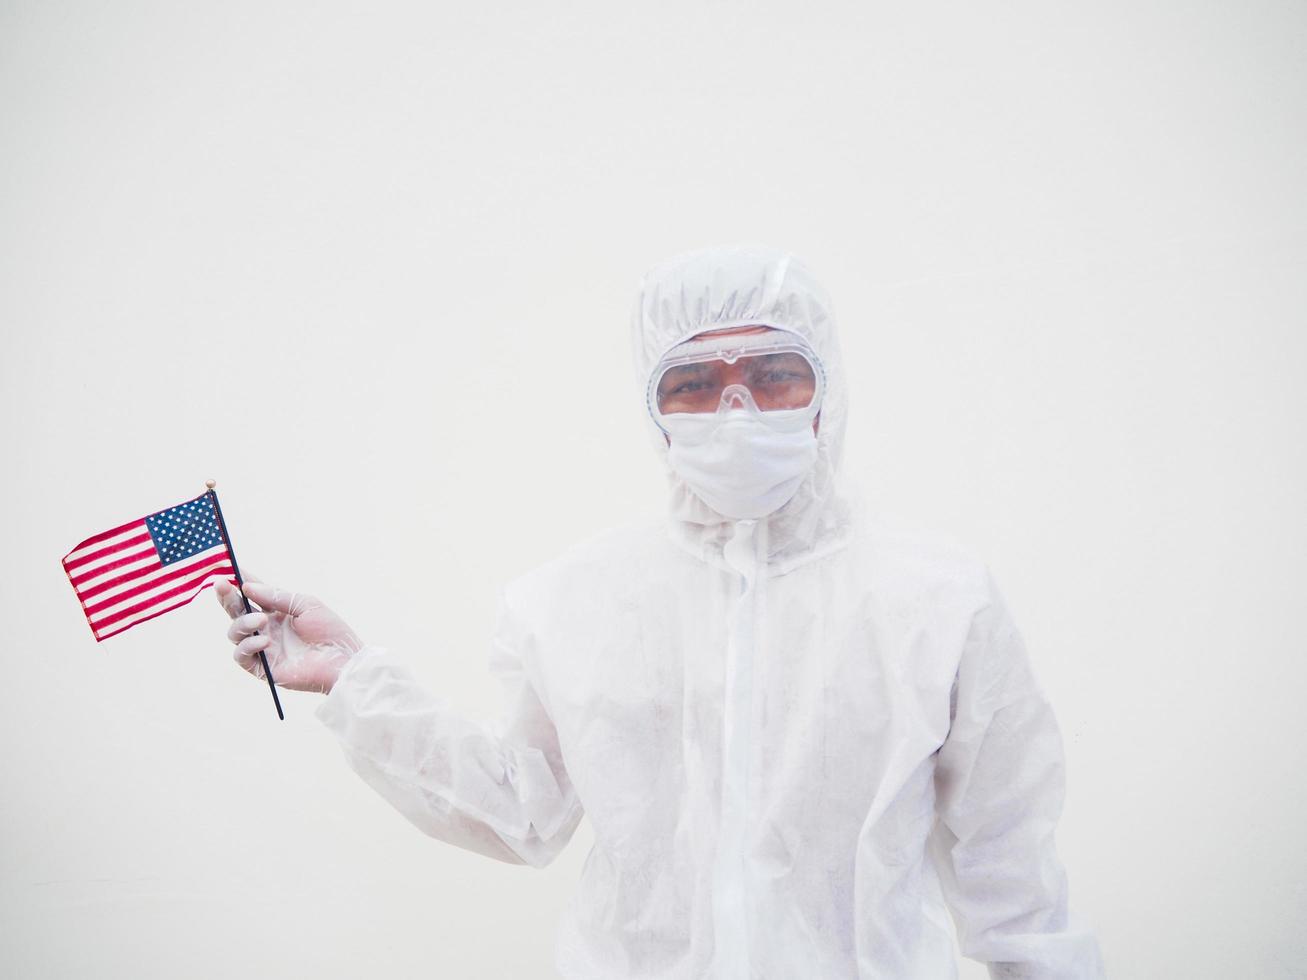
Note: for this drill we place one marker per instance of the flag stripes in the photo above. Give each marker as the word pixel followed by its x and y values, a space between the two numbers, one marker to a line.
pixel 144 568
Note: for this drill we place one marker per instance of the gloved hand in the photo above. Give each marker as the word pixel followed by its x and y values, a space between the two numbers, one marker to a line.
pixel 306 644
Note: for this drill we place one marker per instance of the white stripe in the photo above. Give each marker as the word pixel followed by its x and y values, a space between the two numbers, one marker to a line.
pixel 146 613
pixel 131 532
pixel 210 560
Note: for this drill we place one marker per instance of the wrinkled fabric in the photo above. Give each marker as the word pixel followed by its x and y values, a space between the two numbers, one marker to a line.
pixel 809 745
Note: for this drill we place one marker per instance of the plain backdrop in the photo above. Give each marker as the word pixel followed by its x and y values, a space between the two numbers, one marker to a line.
pixel 370 266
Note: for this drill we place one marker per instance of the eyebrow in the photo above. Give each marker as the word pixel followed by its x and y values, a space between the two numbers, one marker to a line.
pixel 700 368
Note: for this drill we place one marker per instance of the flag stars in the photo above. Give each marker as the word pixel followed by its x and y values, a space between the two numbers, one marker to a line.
pixel 185 530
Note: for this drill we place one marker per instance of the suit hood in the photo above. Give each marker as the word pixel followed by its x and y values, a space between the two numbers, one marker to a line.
pixel 735 286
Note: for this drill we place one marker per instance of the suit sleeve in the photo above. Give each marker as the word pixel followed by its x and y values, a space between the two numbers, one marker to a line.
pixel 498 789
pixel 1000 785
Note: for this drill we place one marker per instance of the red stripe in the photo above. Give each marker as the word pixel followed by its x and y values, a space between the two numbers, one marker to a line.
pixel 158 612
pixel 125 543
pixel 95 538
pixel 109 566
pixel 158 580
pixel 155 600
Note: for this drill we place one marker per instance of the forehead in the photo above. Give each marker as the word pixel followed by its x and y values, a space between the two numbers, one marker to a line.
pixel 732 331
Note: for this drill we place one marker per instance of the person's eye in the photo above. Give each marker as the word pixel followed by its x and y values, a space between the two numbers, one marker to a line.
pixel 686 382
pixel 776 375
pixel 780 369
pixel 689 387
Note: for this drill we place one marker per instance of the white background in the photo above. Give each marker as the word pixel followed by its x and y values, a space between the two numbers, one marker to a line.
pixel 371 265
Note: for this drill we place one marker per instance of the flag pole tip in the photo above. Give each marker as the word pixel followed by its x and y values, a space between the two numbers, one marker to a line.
pixel 210 483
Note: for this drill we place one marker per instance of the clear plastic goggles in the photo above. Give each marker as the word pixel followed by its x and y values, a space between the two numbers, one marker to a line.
pixel 774 375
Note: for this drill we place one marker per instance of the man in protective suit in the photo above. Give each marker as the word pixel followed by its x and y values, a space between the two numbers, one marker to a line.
pixel 802 735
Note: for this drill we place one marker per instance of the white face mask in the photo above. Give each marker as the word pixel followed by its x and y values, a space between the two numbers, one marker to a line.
pixel 739 465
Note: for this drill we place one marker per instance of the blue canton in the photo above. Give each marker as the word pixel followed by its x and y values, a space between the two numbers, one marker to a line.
pixel 184 530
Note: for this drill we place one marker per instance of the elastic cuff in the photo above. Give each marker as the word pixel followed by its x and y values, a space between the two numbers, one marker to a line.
pixel 338 694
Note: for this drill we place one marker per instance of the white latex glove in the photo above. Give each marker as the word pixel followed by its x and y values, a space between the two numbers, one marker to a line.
pixel 306 643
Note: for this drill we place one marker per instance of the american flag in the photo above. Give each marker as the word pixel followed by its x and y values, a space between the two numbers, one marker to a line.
pixel 144 568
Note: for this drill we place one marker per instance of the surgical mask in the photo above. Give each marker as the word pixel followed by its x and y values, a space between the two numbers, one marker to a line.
pixel 740 465
pixel 739 411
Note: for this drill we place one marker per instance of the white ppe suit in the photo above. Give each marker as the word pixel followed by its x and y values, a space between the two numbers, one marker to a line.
pixel 800 740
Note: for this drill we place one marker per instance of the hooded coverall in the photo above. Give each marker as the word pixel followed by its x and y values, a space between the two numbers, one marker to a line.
pixel 801 741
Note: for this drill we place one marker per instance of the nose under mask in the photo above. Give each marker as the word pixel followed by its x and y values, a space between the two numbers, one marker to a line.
pixel 738 462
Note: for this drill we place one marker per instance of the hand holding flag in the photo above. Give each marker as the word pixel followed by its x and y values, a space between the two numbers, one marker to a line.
pixel 305 642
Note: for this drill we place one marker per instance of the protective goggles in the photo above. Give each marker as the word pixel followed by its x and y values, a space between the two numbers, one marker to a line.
pixel 774 375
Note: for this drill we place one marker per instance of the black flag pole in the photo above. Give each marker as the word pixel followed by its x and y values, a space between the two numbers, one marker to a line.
pixel 240 584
